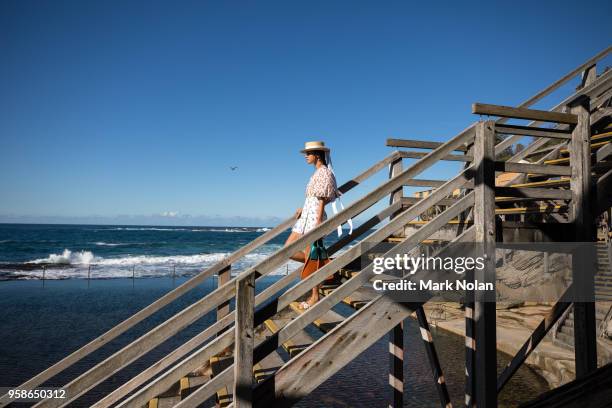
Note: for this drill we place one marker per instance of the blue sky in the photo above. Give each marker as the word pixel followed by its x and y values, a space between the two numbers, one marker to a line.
pixel 117 111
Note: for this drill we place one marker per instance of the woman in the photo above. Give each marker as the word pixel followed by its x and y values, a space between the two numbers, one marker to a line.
pixel 321 189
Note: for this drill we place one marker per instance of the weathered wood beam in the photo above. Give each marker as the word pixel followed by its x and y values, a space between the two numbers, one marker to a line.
pixel 448 157
pixel 243 342
pixel 434 361
pixel 419 144
pixel 424 183
pixel 527 192
pixel 588 75
pixel 413 200
pixel 523 113
pixel 396 365
pixel 549 170
pixel 582 216
pixel 485 345
pixel 532 131
pixel 223 277
pixel 604 152
pixel 396 335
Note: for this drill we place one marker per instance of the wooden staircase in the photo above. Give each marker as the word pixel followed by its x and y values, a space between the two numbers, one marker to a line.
pixel 262 352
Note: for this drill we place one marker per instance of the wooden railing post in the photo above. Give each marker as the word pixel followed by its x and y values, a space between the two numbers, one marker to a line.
pixel 583 218
pixel 244 335
pixel 589 76
pixel 223 309
pixel 395 168
pixel 485 347
pixel 396 336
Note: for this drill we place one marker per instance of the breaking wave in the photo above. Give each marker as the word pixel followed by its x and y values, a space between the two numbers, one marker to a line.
pixel 79 264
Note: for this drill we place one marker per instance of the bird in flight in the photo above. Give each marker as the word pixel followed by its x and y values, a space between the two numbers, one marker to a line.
pixel 232 168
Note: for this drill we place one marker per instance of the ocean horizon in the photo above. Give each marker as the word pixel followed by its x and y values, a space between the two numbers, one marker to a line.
pixel 75 251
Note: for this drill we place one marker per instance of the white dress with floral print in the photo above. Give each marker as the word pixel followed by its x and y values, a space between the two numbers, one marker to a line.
pixel 322 184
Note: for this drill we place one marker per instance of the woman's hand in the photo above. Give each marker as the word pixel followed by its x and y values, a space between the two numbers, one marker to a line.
pixel 298 212
pixel 320 209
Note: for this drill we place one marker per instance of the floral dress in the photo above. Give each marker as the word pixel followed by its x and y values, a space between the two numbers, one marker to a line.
pixel 322 184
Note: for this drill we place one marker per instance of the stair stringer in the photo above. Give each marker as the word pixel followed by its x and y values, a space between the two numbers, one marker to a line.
pixel 329 354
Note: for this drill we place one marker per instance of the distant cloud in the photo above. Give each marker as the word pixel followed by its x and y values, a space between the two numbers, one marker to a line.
pixel 170 214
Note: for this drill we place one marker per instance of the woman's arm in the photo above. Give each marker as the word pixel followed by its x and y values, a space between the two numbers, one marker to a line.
pixel 320 208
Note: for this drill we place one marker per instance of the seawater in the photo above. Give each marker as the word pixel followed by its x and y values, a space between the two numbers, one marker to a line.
pixel 115 251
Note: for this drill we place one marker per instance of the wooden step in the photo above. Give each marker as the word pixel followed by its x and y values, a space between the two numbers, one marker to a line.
pixel 297 343
pixel 164 402
pixel 267 367
pixel 601 136
pixel 360 297
pixel 562 160
pixel 326 289
pixel 324 323
pixel 185 386
pixel 546 183
pixel 347 273
pixel 594 146
pixel 262 370
pixel 218 364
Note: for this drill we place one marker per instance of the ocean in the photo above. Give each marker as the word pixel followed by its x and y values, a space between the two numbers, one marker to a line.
pixel 42 321
pixel 119 251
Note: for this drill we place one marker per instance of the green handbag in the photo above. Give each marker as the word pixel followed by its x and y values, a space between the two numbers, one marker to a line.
pixel 318 251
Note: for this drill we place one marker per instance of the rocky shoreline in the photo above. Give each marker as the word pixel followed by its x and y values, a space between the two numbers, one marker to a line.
pixel 555 363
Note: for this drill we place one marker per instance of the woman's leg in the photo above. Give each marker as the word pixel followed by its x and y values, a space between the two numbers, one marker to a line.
pixel 299 256
pixel 314 296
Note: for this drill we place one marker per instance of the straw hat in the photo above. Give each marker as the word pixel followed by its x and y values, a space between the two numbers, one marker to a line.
pixel 309 146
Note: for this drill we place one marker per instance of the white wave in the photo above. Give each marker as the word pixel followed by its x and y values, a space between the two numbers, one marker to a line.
pixel 77 264
pixel 115 244
pixel 225 230
pixel 263 229
pixel 6 241
pixel 108 244
pixel 67 257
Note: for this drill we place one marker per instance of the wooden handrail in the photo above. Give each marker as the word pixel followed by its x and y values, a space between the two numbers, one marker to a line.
pixel 533 131
pixel 523 113
pixel 182 289
pixel 418 144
